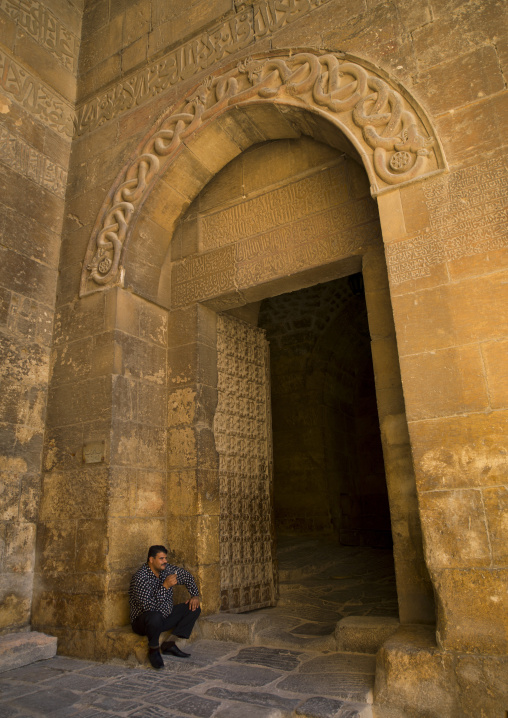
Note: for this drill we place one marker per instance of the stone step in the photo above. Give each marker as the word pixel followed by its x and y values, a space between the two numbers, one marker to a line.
pixel 21 649
pixel 364 634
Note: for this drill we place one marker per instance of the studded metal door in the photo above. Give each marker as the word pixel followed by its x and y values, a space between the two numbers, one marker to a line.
pixel 243 436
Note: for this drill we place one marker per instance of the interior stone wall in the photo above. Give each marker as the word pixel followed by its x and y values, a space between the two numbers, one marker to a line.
pixel 39 46
pixel 328 461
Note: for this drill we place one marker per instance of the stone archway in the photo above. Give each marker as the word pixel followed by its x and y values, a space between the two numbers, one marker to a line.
pixel 388 130
pixel 342 103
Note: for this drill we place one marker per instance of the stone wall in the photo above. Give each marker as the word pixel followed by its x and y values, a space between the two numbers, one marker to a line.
pixel 39 45
pixel 445 241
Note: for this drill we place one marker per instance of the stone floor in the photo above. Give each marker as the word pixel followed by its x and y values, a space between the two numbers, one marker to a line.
pixel 291 668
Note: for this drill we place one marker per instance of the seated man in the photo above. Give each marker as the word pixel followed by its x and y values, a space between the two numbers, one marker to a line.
pixel 151 604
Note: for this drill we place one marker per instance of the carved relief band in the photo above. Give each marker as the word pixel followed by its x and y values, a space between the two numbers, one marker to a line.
pixel 27 161
pixel 390 134
pixel 46 29
pixel 468 213
pixel 35 96
pixel 209 48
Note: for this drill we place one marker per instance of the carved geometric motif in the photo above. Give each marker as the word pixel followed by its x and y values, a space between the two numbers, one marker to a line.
pixel 394 140
pixel 242 428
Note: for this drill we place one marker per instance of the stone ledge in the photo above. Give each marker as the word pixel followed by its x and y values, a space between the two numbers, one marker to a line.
pixel 364 634
pixel 21 649
pixel 235 627
pixel 124 645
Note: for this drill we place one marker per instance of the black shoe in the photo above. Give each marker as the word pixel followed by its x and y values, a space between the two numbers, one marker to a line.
pixel 175 651
pixel 155 659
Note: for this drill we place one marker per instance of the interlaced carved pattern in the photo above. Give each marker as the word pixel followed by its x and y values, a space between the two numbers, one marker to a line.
pixel 329 84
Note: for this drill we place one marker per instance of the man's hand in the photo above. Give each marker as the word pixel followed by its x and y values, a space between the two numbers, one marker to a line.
pixel 170 580
pixel 193 603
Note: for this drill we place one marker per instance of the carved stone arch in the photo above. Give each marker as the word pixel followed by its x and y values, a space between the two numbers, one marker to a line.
pixel 334 98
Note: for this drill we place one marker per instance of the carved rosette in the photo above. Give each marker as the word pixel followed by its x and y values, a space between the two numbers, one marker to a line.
pixel 390 134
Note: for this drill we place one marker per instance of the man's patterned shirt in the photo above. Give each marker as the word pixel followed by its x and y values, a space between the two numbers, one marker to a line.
pixel 146 592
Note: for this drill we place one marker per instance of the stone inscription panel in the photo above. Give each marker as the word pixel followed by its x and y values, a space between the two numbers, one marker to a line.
pixel 468 215
pixel 305 224
pixel 39 22
pixel 242 429
pixel 259 21
pixel 35 96
pixel 310 242
pixel 27 161
pixel 278 207
pixel 202 277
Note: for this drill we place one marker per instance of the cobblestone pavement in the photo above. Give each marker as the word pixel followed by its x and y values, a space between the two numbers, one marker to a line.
pixel 293 670
pixel 221 679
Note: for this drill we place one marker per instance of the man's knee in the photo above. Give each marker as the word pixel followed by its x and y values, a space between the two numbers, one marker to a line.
pixel 153 620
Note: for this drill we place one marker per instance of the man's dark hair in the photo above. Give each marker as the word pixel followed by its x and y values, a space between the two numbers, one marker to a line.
pixel 154 550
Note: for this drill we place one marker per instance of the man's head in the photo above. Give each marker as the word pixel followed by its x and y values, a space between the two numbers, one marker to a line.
pixel 157 558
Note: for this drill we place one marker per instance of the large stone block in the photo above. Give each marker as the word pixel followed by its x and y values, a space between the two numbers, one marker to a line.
pixel 472 610
pixel 21 649
pixel 445 382
pixel 455 529
pixel 364 634
pixel 86 490
pixel 461 451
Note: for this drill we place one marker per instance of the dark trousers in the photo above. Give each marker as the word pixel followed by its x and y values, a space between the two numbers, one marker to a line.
pixel 152 623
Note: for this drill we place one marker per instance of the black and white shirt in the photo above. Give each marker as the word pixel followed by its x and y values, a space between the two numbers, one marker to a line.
pixel 146 592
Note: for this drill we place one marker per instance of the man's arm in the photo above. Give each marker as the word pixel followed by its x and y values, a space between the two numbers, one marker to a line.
pixel 184 578
pixel 147 594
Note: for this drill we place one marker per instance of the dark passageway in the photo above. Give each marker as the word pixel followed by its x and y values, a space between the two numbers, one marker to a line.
pixel 328 461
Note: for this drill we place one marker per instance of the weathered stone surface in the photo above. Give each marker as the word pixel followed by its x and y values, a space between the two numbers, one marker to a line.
pixel 21 649
pixel 364 634
pixel 268 657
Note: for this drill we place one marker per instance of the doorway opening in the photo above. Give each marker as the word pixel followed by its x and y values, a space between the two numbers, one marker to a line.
pixel 332 518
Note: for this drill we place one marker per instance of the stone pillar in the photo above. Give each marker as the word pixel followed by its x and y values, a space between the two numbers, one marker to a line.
pixel 449 294
pixel 193 470
pixel 103 489
pixel 414 590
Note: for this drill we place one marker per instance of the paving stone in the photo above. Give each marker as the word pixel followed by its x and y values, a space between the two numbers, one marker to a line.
pixel 47 701
pixel 75 682
pixel 281 659
pixel 340 663
pixel 164 696
pixel 80 713
pixel 314 629
pixel 11 691
pixel 312 613
pixel 248 710
pixel 351 687
pixel 122 690
pixel 153 679
pixel 320 707
pixel 203 653
pixel 257 698
pixel 241 675
pixel 154 712
pixel 35 673
pixel 110 703
pixel 102 670
pixel 197 706
pixel 63 663
pixel 8 711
